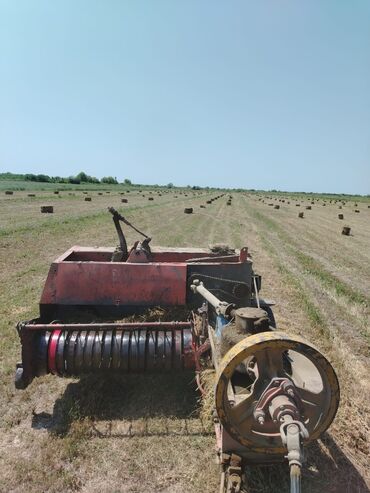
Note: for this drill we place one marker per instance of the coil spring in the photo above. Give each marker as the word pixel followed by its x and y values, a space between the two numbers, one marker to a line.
pixel 72 353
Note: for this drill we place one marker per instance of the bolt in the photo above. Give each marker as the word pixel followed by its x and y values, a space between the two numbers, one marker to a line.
pixel 290 392
pixel 261 420
pixel 282 408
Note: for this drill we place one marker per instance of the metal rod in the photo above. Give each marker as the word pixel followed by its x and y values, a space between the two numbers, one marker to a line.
pixel 222 307
pixel 256 291
pixel 110 326
pixel 198 287
pixel 295 479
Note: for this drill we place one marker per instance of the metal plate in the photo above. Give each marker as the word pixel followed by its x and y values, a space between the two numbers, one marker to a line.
pixel 107 350
pixel 70 352
pixel 59 357
pixel 168 350
pixel 177 360
pixel 150 352
pixel 125 351
pixel 134 351
pixel 88 353
pixel 116 349
pixel 187 349
pixel 42 354
pixel 160 354
pixel 97 350
pixel 142 350
pixel 52 349
pixel 79 352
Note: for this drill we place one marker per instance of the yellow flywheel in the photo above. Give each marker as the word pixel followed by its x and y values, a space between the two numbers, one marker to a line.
pixel 250 366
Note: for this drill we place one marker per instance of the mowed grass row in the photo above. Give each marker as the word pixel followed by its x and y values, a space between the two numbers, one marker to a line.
pixel 64 435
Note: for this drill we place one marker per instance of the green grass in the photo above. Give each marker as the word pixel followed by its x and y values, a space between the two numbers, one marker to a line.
pixel 302 298
pixel 312 266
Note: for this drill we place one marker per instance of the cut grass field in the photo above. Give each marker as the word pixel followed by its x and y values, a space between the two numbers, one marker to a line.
pixel 149 433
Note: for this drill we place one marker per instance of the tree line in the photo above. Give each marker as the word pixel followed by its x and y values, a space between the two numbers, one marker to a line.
pixel 81 177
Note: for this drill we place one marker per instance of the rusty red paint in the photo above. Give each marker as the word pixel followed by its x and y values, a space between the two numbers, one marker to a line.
pixel 110 283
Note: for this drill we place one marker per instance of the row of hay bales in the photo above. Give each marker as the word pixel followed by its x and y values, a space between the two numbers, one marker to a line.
pixel 190 210
pixel 346 230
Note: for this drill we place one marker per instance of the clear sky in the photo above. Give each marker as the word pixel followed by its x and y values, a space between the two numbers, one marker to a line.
pixel 252 94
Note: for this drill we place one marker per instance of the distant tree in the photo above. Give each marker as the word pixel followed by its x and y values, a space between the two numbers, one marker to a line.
pixel 109 180
pixel 169 185
pixel 84 178
pixel 74 180
pixel 127 181
pixel 30 177
pixel 43 178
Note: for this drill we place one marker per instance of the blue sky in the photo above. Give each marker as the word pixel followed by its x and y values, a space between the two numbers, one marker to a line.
pixel 252 94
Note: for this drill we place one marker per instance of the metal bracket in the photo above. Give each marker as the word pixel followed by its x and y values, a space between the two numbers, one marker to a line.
pixel 231 478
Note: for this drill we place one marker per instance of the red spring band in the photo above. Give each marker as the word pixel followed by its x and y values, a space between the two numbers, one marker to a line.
pixel 52 350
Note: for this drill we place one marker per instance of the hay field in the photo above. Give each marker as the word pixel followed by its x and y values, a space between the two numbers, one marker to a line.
pixel 145 433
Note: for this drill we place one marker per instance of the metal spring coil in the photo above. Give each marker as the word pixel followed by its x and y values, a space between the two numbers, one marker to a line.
pixel 72 353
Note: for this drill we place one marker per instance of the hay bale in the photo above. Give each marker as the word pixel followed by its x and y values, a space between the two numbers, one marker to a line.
pixel 150 198
pixel 346 230
pixel 276 206
pixel 124 201
pixel 31 195
pixel 202 206
pixel 357 210
pixel 100 193
pixel 308 207
pixel 47 209
pixel 340 216
pixel 87 199
pixel 188 210
pixel 9 192
pixel 300 214
pixel 56 192
pixel 298 205
pixel 209 201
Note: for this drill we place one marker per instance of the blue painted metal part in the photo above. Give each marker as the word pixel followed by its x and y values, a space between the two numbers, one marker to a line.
pixel 220 323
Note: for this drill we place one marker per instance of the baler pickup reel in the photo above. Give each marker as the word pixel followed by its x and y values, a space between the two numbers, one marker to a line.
pixel 273 392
